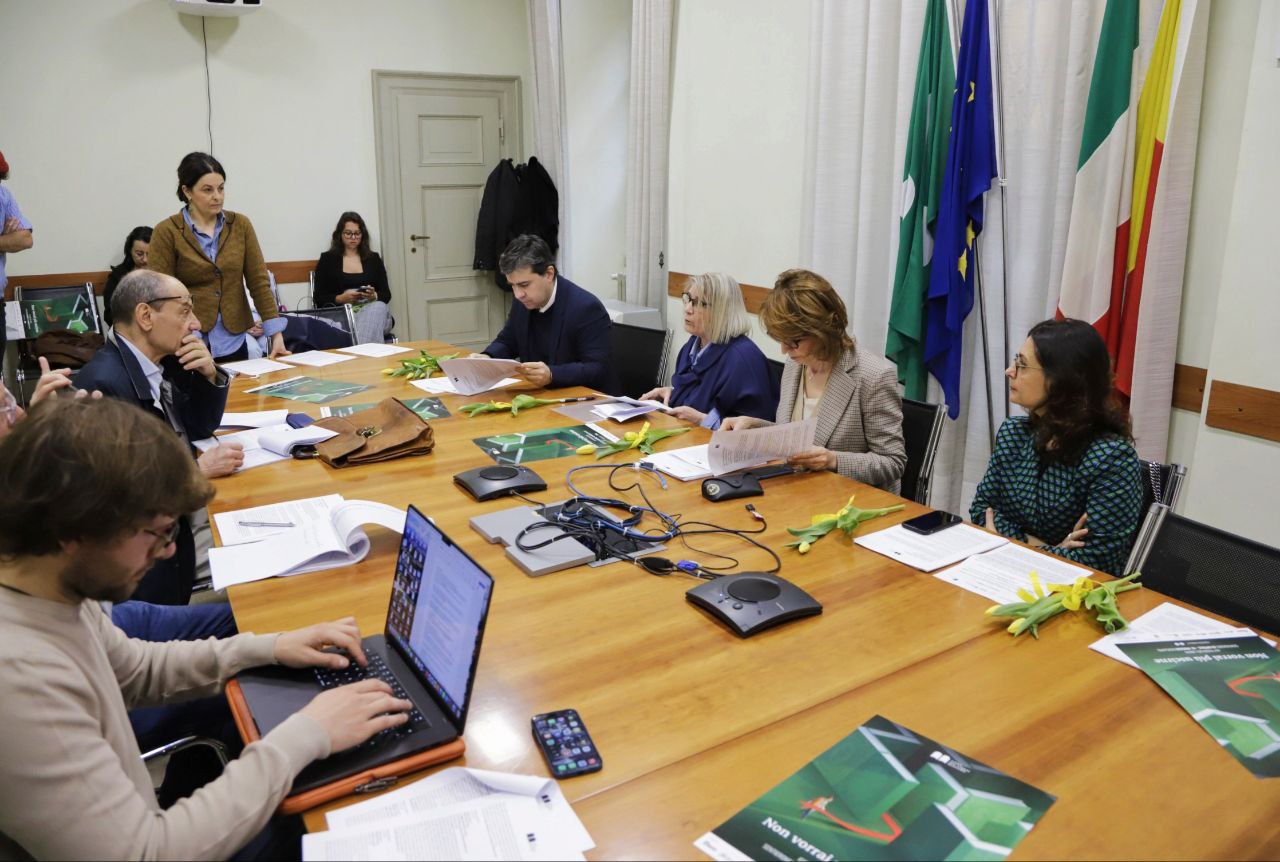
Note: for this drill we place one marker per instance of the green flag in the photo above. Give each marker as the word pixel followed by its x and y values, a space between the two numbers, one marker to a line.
pixel 921 182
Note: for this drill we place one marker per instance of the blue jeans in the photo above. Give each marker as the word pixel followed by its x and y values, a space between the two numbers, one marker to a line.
pixel 210 716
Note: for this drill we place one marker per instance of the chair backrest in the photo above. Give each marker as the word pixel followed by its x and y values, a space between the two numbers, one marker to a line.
pixel 1161 483
pixel 72 307
pixel 775 373
pixel 1213 569
pixel 921 430
pixel 322 336
pixel 639 358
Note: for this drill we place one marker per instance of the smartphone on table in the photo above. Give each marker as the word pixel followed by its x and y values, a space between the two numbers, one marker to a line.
pixel 565 743
pixel 931 522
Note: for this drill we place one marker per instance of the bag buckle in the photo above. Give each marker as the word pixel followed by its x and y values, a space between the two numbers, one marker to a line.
pixel 369 431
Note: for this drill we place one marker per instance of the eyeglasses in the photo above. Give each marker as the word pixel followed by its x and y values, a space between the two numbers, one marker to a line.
pixel 352 234
pixel 185 307
pixel 689 300
pixel 792 343
pixel 1020 365
pixel 164 537
pixel 8 408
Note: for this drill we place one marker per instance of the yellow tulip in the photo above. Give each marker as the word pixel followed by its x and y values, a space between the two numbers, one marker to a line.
pixel 586 450
pixel 502 405
pixel 388 371
pixel 805 546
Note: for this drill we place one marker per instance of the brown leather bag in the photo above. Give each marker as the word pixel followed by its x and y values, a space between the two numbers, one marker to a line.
pixel 66 349
pixel 386 430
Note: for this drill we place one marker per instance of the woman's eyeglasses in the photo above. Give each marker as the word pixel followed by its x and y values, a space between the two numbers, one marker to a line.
pixel 689 300
pixel 8 408
pixel 352 234
pixel 1020 365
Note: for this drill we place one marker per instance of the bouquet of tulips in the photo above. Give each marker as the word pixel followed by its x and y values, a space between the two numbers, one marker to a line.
pixel 419 367
pixel 1036 608
pixel 642 440
pixel 847 519
pixel 520 402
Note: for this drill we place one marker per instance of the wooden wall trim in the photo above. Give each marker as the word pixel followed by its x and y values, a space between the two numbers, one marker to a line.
pixel 1244 409
pixel 752 295
pixel 286 272
pixel 1188 387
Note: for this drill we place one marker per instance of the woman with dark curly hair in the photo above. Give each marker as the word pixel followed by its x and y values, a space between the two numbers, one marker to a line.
pixel 137 245
pixel 1065 477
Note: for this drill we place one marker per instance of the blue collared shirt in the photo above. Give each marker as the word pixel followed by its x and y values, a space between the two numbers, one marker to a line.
pixel 9 207
pixel 155 374
pixel 221 341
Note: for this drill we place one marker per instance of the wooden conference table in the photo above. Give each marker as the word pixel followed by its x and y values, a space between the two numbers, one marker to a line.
pixel 694 723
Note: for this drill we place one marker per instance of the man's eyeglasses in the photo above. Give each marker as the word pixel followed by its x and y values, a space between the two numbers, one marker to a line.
pixel 1020 365
pixel 164 537
pixel 689 300
pixel 185 307
pixel 352 234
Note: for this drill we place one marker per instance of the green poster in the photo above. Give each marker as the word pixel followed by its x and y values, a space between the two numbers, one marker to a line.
pixel 884 792
pixel 540 445
pixel 1231 687
pixel 427 408
pixel 67 312
pixel 312 390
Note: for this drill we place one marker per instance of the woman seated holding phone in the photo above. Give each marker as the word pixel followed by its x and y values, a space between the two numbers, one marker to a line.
pixel 351 272
pixel 1065 477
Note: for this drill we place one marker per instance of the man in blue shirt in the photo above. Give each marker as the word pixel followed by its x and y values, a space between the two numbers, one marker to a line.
pixel 558 331
pixel 15 235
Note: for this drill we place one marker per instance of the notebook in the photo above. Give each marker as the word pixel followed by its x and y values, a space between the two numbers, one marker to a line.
pixel 428 653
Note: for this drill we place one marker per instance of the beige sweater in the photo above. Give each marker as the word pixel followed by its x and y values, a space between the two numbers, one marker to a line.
pixel 72 784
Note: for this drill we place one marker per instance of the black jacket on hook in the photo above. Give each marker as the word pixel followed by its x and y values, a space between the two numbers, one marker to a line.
pixel 517 199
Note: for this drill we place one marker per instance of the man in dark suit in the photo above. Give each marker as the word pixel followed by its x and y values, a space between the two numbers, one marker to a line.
pixel 157 360
pixel 558 331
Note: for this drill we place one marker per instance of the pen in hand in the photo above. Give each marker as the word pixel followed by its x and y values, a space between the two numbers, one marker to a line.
pixel 265 523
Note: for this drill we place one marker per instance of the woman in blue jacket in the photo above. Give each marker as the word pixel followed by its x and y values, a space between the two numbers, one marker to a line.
pixel 720 372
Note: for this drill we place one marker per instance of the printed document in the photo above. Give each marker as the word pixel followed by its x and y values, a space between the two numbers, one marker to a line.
pixel 268 445
pixel 316 358
pixel 444 386
pixel 929 553
pixel 254 367
pixel 690 463
pixel 1166 622
pixel 373 348
pixel 246 525
pixel 326 542
pixel 734 450
pixel 473 375
pixel 622 408
pixel 999 574
pixel 258 419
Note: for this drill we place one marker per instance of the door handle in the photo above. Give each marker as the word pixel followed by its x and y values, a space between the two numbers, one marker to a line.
pixel 413 237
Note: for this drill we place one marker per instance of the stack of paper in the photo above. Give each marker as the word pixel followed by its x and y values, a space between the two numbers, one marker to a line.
pixel 928 553
pixel 256 419
pixel 254 367
pixel 622 408
pixel 476 374
pixel 373 348
pixel 999 574
pixel 1167 622
pixel 459 813
pixel 316 358
pixel 250 525
pixel 270 444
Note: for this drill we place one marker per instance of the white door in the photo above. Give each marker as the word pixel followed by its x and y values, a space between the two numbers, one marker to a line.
pixel 440 138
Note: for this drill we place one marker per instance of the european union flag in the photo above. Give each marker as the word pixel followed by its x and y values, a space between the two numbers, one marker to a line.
pixel 971 165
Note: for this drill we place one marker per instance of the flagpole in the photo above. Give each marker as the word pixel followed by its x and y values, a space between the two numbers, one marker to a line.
pixel 1003 182
pixel 986 346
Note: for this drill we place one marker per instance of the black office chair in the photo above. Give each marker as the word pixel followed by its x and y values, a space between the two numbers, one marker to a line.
pixel 73 308
pixel 1210 568
pixel 775 373
pixel 639 358
pixel 921 430
pixel 1161 483
pixel 320 328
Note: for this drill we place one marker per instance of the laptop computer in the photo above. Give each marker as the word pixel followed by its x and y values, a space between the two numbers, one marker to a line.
pixel 428 654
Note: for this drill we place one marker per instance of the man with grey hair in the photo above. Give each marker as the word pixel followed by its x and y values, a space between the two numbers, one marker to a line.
pixel 156 359
pixel 558 331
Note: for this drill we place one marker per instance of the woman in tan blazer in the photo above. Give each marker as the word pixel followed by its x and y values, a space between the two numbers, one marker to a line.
pixel 852 392
pixel 215 253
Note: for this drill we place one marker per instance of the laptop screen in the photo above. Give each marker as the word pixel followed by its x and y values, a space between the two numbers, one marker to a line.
pixel 439 603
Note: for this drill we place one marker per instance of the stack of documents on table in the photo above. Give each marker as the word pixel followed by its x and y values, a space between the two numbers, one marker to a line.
pixel 459 813
pixel 622 408
pixel 477 374
pixel 270 444
pixel 316 358
pixel 1167 622
pixel 373 348
pixel 932 552
pixel 254 367
pixel 256 419
pixel 999 574
pixel 319 535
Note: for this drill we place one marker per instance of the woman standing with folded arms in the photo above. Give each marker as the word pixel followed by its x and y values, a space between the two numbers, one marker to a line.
pixel 215 253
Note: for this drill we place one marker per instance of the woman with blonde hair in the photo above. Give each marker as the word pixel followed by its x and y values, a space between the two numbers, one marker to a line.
pixel 852 392
pixel 720 371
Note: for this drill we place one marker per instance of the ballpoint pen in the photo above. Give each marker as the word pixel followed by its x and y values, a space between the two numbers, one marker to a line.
pixel 573 400
pixel 265 523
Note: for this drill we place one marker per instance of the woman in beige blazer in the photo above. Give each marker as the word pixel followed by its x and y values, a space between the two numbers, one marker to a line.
pixel 852 392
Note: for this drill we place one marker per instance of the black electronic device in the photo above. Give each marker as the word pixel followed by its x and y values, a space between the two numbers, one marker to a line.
pixel 931 522
pixel 753 601
pixel 565 744
pixel 499 480
pixel 746 484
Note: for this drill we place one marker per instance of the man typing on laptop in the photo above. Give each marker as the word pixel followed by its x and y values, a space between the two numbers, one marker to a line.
pixel 81 522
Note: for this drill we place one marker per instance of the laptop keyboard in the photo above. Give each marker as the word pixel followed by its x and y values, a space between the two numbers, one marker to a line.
pixel 376 669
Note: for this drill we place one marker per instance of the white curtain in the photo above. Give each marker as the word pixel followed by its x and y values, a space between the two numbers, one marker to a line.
pixel 550 141
pixel 649 121
pixel 863 71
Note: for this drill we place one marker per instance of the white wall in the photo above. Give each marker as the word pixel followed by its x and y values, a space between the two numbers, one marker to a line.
pixel 111 94
pixel 596 39
pixel 1230 316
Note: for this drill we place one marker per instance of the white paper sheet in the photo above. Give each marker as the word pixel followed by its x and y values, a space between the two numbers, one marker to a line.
pixel 258 419
pixel 373 348
pixel 622 409
pixel 928 553
pixel 444 386
pixel 254 367
pixel 688 464
pixel 268 445
pixel 273 382
pixel 734 450
pixel 473 375
pixel 316 358
pixel 999 574
pixel 1166 622
pixel 13 321
pixel 293 512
